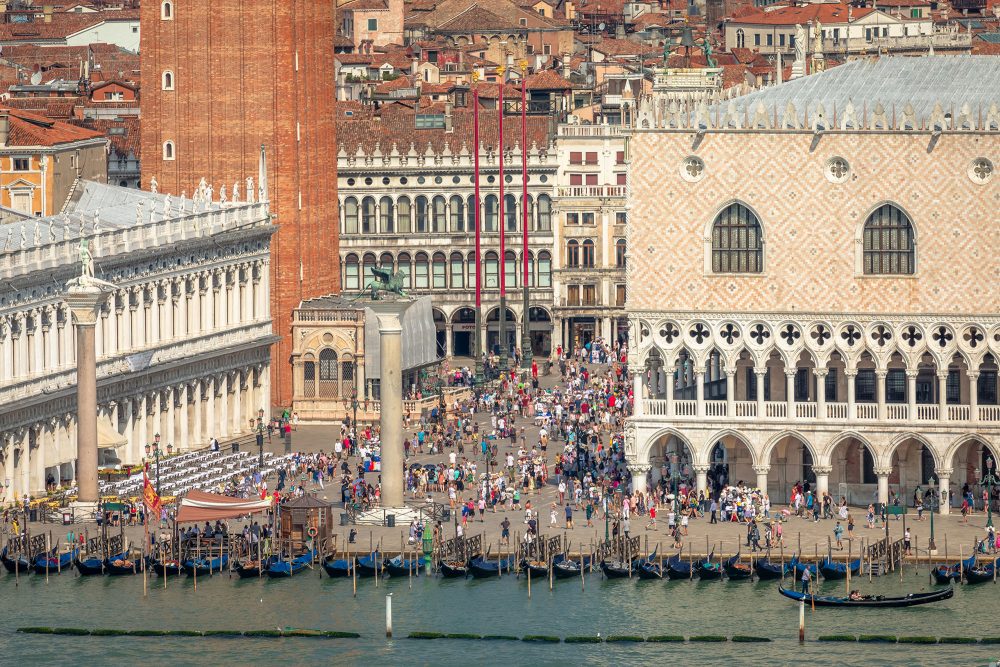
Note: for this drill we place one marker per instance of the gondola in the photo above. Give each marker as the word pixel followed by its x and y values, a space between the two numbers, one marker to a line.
pixel 205 566
pixel 678 569
pixel 120 565
pixel 337 567
pixel 800 567
pixel 615 569
pixel 89 567
pixel 708 570
pixel 736 570
pixel 946 574
pixel 281 568
pixel 370 565
pixel 402 567
pixel 169 567
pixel 831 570
pixel 569 568
pixel 252 569
pixel 14 565
pixel 650 570
pixel 44 562
pixel 910 600
pixel 767 570
pixel 455 569
pixel 480 568
pixel 979 574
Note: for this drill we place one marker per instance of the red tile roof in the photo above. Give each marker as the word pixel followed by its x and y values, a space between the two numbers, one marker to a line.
pixel 547 80
pixel 362 5
pixel 29 129
pixel 63 24
pixel 57 108
pixel 121 144
pixel 825 13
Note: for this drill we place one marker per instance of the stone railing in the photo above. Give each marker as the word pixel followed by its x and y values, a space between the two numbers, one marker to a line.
pixel 594 131
pixel 596 191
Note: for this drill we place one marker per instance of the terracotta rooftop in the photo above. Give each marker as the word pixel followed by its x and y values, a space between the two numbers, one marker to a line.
pixel 29 129
pixel 122 133
pixel 363 5
pixel 826 13
pixel 57 108
pixel 63 24
pixel 547 80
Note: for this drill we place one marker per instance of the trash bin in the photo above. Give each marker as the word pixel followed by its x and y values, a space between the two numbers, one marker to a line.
pixel 390 520
pixel 344 519
pixel 67 517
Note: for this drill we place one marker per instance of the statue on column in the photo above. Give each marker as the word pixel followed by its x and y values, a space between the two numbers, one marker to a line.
pixel 86 261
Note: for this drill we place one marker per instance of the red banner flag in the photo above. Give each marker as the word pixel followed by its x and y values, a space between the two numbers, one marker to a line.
pixel 150 497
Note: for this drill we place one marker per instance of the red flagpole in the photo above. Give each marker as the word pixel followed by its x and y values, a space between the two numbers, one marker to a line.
pixel 525 319
pixel 502 224
pixel 479 262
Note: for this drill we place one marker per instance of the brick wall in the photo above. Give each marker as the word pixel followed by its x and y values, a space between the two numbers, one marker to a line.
pixel 249 73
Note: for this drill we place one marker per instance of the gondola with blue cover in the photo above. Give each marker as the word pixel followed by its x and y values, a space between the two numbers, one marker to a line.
pixel 89 567
pixel 678 568
pixel 281 568
pixel 736 570
pixel 203 567
pixel 337 568
pixel 708 570
pixel 480 568
pixel 252 569
pixel 370 565
pixel 54 563
pixel 947 574
pixel 455 569
pixel 767 570
pixel 402 567
pixel 569 568
pixel 120 565
pixel 832 570
pixel 979 574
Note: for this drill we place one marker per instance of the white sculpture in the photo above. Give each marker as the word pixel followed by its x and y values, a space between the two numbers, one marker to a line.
pixel 250 190
pixel 152 185
pixel 800 42
pixel 138 213
pixel 236 192
pixel 24 241
pixel 37 235
pixel 10 234
pixel 166 206
pixel 97 222
pixel 52 232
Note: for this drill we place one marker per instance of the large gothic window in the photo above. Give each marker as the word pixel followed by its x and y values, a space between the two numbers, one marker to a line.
pixel 888 242
pixel 737 246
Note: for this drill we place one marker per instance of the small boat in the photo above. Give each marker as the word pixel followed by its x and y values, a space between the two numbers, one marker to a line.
pixel 481 568
pixel 89 567
pixel 649 570
pixel 800 567
pixel 910 600
pixel 169 567
pixel 205 566
pixel 121 565
pixel 17 564
pixel 615 569
pixel 736 570
pixel 280 568
pixel 946 574
pixel 708 570
pixel 979 574
pixel 55 564
pixel 831 570
pixel 250 569
pixel 337 567
pixel 370 565
pixel 402 567
pixel 455 569
pixel 538 568
pixel 767 570
pixel 568 568
pixel 678 569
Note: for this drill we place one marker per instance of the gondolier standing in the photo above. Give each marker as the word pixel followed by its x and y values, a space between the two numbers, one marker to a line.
pixel 806 579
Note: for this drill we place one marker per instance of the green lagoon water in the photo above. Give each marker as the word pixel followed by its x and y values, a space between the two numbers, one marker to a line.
pixel 615 607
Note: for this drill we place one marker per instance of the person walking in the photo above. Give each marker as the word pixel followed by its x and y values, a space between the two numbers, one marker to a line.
pixel 713 509
pixel 652 517
pixel 569 517
pixel 838 534
pixel 806 579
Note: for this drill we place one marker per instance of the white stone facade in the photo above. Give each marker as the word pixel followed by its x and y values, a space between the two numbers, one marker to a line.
pixel 183 343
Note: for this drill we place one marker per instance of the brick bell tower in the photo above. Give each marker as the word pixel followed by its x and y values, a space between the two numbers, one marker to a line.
pixel 223 79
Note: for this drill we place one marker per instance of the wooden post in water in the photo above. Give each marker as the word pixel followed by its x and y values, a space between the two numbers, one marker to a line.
pixel 781 548
pixel 961 564
pixel 802 621
pixel 354 572
pixel 994 566
pixel 529 580
pixel 48 554
pixel 869 552
pixel 816 547
pixel 690 561
pixel 551 558
pixel 848 579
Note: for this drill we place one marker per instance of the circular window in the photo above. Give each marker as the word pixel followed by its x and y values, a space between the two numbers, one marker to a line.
pixel 837 170
pixel 543 178
pixel 981 171
pixel 437 180
pixel 692 168
pixel 385 181
pixel 420 180
pixel 350 181
pixel 404 180
pixel 491 179
pixel 368 181
pixel 508 178
pixel 455 180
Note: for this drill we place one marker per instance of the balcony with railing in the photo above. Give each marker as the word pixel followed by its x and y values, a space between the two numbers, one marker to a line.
pixel 590 191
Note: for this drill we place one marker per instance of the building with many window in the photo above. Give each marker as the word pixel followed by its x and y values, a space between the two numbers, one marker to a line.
pixel 407 202
pixel 811 282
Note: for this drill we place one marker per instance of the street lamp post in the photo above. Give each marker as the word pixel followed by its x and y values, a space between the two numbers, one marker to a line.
pixel 931 546
pixel 156 454
pixel 675 476
pixel 989 480
pixel 260 437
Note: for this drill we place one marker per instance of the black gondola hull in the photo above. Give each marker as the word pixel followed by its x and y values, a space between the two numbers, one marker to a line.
pixel 454 571
pixel 90 567
pixel 337 569
pixel 911 600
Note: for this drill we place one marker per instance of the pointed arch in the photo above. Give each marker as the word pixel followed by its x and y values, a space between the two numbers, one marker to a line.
pixel 765 454
pixel 728 432
pixel 965 438
pixel 656 436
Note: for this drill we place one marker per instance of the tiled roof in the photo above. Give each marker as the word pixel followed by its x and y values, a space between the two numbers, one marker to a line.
pixel 363 5
pixel 398 127
pixel 353 59
pixel 623 47
pixel 63 24
pixel 29 129
pixel 547 80
pixel 506 10
pixel 903 3
pixel 475 18
pixel 122 144
pixel 826 13
pixel 58 108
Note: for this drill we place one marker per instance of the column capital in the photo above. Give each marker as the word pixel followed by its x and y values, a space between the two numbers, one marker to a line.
pixel 762 469
pixel 943 472
pixel 822 470
pixel 698 370
pixel 701 469
pixel 730 371
pixel 973 375
pixel 881 373
pixel 821 372
pixel 883 472
pixel 942 375
pixel 760 370
pixel 791 374
pixel 639 468
pixel 911 374
pixel 850 372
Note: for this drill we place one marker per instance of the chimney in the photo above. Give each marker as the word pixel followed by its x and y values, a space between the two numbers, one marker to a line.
pixel 47 13
pixel 4 126
pixel 448 123
pixel 565 65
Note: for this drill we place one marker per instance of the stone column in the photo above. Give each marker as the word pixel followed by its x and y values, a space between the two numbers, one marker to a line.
pixel 699 380
pixel 944 489
pixel 730 392
pixel 880 375
pixel 701 476
pixel 24 464
pixel 154 335
pixel 84 302
pixel 639 471
pixel 637 391
pixel 973 397
pixel 223 425
pixel 883 484
pixel 237 404
pixel 943 395
pixel 171 435
pixel 790 394
pixel 761 373
pixel 389 314
pixel 821 374
pixel 822 479
pixel 199 431
pixel 142 438
pixel 849 375
pixel 183 444
pixel 911 395
pixel 762 471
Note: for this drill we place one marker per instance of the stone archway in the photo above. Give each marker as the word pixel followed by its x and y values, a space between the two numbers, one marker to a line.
pixel 856 470
pixel 668 455
pixel 731 459
pixel 791 458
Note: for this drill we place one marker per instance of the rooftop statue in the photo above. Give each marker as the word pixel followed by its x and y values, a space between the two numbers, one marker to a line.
pixel 384 281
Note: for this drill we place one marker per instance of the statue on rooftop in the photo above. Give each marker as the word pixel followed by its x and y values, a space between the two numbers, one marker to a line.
pixel 800 43
pixel 37 235
pixel 384 280
pixel 86 261
pixel 706 48
pixel 153 185
pixel 236 192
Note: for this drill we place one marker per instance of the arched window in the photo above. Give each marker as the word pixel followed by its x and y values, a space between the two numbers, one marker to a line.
pixel 168 150
pixel 510 212
pixel 421 270
pixel 329 374
pixel 737 243
pixel 403 215
pixel 421 215
pixel 309 379
pixel 367 264
pixel 544 269
pixel 368 224
pixel 510 269
pixel 490 225
pixel 741 38
pixel 457 270
pixel 167 10
pixel 457 214
pixel 573 253
pixel 440 215
pixel 352 273
pixel 385 261
pixel 472 264
pixel 350 215
pixel 530 223
pixel 168 80
pixel 439 271
pixel 531 269
pixel 470 210
pixel 492 278
pixel 403 264
pixel 385 213
pixel 888 243
pixel 620 253
pixel 544 213
pixel 588 254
